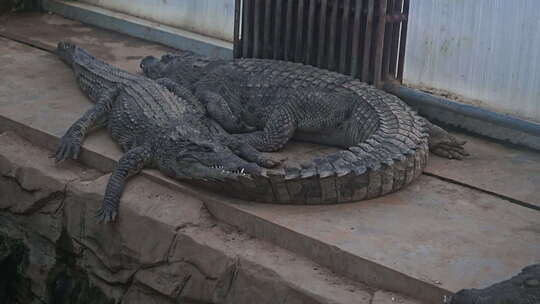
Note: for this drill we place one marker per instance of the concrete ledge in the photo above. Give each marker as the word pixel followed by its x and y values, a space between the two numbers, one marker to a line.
pixel 141 28
pixel 166 248
pixel 474 119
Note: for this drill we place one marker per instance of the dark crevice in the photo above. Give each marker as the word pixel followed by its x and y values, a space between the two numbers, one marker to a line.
pixel 14 287
pixel 68 282
pixel 57 195
pixel 28 42
pixel 501 196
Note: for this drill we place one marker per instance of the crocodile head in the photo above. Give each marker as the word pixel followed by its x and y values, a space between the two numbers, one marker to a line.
pixel 152 67
pixel 185 68
pixel 68 52
pixel 206 160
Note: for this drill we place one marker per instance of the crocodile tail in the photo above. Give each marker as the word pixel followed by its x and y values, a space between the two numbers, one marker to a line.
pixel 396 151
pixel 390 156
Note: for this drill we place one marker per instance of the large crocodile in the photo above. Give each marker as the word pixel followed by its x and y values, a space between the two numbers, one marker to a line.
pixel 168 130
pixel 384 143
pixel 523 288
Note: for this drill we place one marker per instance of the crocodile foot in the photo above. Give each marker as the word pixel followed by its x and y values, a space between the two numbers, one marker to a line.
pixel 70 146
pixel 444 144
pixel 268 163
pixel 106 214
pixel 451 150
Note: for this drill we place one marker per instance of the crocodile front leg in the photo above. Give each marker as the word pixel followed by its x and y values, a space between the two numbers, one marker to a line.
pixel 70 143
pixel 218 108
pixel 130 164
pixel 279 129
pixel 241 148
pixel 443 144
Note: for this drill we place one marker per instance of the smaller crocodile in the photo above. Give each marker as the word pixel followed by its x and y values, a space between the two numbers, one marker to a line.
pixel 524 288
pixel 158 124
pixel 272 101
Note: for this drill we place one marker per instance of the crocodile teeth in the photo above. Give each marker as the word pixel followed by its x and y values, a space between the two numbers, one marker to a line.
pixel 242 171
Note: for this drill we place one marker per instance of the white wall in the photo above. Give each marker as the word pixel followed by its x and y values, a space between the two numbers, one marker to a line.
pixel 485 50
pixel 214 18
pixel 488 50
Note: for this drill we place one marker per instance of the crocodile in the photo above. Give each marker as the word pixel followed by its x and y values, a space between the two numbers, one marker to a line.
pixel 384 145
pixel 158 124
pixel 523 288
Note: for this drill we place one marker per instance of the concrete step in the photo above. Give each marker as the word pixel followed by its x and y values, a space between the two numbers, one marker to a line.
pixel 429 240
pixel 166 247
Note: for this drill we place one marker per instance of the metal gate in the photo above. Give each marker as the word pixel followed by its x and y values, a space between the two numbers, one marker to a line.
pixel 362 38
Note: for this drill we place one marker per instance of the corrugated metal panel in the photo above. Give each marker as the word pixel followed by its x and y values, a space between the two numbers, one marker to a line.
pixel 214 18
pixel 353 36
pixel 487 50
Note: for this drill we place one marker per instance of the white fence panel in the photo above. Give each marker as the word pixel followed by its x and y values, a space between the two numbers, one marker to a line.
pixel 485 50
pixel 214 18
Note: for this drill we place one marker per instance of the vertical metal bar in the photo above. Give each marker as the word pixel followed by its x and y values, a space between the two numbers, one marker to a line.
pixel 379 48
pixel 267 46
pixel 403 40
pixel 343 68
pixel 387 39
pixel 237 46
pixel 277 29
pixel 257 29
pixel 322 34
pixel 356 32
pixel 310 32
pixel 299 32
pixel 288 32
pixel 367 42
pixel 333 42
pixel 398 5
pixel 246 29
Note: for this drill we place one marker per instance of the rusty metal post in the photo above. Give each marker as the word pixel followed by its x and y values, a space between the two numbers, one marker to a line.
pixel 379 48
pixel 237 47
pixel 403 41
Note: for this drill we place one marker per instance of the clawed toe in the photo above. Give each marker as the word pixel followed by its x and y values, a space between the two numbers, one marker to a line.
pixel 67 149
pixel 105 215
pixel 451 152
pixel 269 163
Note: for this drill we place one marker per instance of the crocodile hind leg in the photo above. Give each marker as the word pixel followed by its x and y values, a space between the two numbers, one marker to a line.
pixel 130 164
pixel 70 143
pixel 443 144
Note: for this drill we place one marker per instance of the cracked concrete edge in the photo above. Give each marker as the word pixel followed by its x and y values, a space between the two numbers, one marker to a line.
pixel 361 270
pixel 49 141
pixel 163 248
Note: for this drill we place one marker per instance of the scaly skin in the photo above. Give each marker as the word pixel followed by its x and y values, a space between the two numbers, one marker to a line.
pixel 524 288
pixel 385 144
pixel 158 124
pixel 244 95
